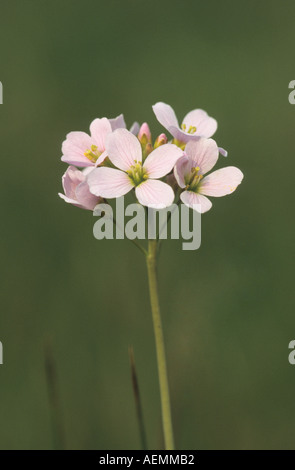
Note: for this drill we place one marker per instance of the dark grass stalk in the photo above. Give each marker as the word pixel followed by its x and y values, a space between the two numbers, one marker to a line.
pixel 59 441
pixel 137 399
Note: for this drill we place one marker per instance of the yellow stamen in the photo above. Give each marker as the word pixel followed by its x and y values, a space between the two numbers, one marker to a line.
pixel 192 129
pixel 137 173
pixel 92 154
pixel 192 180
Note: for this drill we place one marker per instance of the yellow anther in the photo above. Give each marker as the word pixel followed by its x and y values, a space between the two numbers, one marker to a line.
pixel 183 126
pixel 137 173
pixel 192 129
pixel 92 154
pixel 192 180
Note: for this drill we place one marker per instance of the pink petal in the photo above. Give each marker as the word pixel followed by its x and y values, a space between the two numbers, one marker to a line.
pixel 70 201
pixel 85 198
pixel 123 149
pixel 165 115
pixel 74 147
pixel 70 180
pixel 118 122
pixel 221 182
pixel 183 167
pixel 134 129
pixel 101 158
pixel 154 193
pixel 161 160
pixel 191 199
pixel 194 117
pixel 223 152
pixel 78 161
pixel 75 203
pixel 206 126
pixel 108 182
pixel 99 130
pixel 77 190
pixel 87 170
pixel 203 153
pixel 182 136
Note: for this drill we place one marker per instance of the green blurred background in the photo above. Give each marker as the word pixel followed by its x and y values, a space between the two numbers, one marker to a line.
pixel 228 308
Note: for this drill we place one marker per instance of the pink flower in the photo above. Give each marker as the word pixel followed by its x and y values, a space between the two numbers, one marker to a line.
pixel 195 124
pixel 76 189
pixel 124 151
pixel 200 157
pixel 83 150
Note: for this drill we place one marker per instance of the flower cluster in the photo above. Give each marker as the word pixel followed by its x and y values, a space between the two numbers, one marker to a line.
pixel 115 160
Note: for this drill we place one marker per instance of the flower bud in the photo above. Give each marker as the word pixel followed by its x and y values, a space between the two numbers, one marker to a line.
pixel 160 140
pixel 144 135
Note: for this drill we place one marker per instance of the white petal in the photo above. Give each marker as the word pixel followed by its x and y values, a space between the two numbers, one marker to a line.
pixel 123 149
pixel 108 182
pixel 192 200
pixel 165 115
pixel 154 193
pixel 161 160
pixel 221 182
pixel 203 153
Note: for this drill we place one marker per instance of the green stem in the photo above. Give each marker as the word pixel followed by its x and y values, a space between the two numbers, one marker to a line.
pixel 160 348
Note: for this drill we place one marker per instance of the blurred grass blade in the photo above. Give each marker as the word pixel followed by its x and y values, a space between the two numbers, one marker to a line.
pixel 137 399
pixel 53 398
